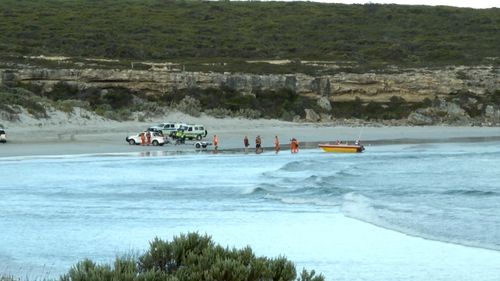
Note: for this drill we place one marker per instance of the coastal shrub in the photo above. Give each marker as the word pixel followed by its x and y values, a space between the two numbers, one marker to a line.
pixel 87 270
pixel 396 108
pixel 225 101
pixel 410 35
pixel 219 112
pixel 92 97
pixel 149 108
pixel 22 98
pixel 287 115
pixel 494 97
pixel 117 97
pixel 62 91
pixel 102 109
pixel 69 105
pixel 274 104
pixel 7 113
pixel 189 105
pixel 108 112
pixel 243 112
pixel 309 276
pixel 348 109
pixel 248 113
pixel 191 257
pixel 123 114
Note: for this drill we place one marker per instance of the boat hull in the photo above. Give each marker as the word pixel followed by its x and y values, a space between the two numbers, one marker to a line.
pixel 342 148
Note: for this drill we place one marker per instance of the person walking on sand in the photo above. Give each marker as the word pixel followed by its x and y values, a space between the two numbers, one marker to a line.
pixel 148 137
pixel 216 142
pixel 258 144
pixel 277 146
pixel 143 138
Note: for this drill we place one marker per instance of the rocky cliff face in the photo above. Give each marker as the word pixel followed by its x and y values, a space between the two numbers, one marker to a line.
pixel 413 85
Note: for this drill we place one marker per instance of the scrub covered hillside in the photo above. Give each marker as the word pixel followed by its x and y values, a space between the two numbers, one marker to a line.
pixel 197 30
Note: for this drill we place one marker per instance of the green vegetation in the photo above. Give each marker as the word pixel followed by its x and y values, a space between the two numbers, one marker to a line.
pixel 191 32
pixel 285 104
pixel 282 104
pixel 225 37
pixel 191 257
pixel 12 99
pixel 396 108
pixel 119 103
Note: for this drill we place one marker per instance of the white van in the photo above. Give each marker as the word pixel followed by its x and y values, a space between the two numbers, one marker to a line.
pixel 195 132
pixel 167 128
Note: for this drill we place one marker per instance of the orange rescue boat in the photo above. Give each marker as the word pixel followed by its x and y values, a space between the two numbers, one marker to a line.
pixel 342 148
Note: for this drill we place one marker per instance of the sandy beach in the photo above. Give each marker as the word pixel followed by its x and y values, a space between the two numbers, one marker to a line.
pixel 69 135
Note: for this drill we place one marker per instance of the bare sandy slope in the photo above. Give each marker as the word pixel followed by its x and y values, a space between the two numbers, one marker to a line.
pixel 84 133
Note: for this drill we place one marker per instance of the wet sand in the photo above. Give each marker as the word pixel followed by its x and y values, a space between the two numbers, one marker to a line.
pixel 67 140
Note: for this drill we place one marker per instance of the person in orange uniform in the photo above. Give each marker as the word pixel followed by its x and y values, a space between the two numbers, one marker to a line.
pixel 294 145
pixel 277 146
pixel 216 142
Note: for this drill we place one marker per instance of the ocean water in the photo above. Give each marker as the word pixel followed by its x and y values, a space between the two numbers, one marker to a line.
pixel 395 212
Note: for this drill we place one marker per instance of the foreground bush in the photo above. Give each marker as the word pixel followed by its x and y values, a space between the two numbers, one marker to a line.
pixel 191 257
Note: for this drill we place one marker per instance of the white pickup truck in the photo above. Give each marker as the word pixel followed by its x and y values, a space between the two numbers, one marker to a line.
pixel 156 138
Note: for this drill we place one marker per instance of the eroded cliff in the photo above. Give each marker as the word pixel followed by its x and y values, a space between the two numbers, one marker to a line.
pixel 409 85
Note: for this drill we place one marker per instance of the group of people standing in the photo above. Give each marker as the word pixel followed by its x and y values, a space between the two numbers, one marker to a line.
pixel 146 138
pixel 294 144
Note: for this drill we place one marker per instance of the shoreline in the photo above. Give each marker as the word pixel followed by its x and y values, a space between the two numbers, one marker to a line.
pixel 109 137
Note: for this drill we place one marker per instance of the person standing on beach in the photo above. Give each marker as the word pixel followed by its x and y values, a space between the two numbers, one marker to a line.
pixel 148 138
pixel 246 143
pixel 143 138
pixel 216 142
pixel 294 145
pixel 277 146
pixel 258 144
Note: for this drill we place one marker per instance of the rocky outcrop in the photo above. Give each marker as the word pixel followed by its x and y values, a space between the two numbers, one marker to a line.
pixel 444 112
pixel 492 112
pixel 420 118
pixel 324 103
pixel 410 84
pixel 311 115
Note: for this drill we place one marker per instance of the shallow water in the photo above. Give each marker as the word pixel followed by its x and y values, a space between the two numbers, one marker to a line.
pixel 395 212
